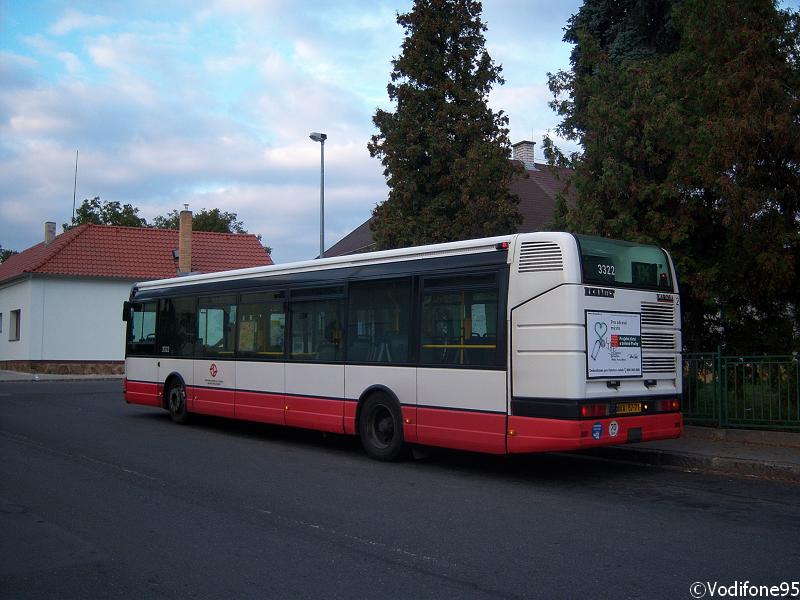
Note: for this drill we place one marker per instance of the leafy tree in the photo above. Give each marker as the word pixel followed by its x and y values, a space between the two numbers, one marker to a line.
pixel 101 212
pixel 689 118
pixel 205 220
pixel 445 152
pixel 5 254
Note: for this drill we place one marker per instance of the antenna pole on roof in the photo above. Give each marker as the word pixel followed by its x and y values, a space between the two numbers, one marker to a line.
pixel 74 188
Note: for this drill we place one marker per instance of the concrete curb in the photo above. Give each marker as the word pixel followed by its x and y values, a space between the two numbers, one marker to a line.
pixel 699 462
pixel 761 437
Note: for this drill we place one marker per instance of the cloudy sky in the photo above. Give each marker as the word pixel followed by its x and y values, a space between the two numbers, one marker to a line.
pixel 210 103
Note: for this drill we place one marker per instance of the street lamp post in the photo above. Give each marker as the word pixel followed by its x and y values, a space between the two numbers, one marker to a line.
pixel 321 137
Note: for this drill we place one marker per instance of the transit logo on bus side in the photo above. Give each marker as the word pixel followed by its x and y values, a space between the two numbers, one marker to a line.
pixel 217 376
pixel 598 292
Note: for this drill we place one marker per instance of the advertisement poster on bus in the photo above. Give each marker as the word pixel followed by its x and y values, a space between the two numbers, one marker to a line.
pixel 613 344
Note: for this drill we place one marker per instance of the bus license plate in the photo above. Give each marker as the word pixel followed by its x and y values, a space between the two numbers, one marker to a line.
pixel 626 408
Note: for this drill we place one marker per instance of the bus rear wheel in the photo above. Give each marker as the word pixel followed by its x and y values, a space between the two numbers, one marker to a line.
pixel 176 402
pixel 380 427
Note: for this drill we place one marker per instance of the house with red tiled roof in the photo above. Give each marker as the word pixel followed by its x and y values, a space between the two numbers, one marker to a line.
pixel 537 188
pixel 61 300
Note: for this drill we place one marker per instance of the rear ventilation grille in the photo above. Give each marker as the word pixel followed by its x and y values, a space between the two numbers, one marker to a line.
pixel 535 257
pixel 658 341
pixel 658 364
pixel 658 315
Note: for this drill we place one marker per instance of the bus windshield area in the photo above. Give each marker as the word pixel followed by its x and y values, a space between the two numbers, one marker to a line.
pixel 612 262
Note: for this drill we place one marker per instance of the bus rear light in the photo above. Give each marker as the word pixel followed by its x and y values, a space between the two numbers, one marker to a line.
pixel 501 246
pixel 669 405
pixel 594 410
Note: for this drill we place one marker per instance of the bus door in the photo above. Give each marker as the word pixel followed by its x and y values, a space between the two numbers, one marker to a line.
pixel 315 372
pixel 261 350
pixel 141 371
pixel 175 342
pixel 214 367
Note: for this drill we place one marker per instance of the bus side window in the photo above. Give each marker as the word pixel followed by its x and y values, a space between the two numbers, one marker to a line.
pixel 262 325
pixel 458 325
pixel 142 329
pixel 216 326
pixel 378 321
pixel 316 330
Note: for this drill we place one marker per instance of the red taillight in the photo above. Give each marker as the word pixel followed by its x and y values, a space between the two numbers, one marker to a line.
pixel 669 405
pixel 502 246
pixel 594 410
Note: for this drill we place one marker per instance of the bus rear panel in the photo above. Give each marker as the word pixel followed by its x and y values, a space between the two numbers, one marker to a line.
pixel 594 344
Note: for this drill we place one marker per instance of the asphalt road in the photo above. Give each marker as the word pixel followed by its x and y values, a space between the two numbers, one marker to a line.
pixel 103 500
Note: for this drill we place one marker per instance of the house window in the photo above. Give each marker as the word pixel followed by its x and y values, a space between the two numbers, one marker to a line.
pixel 14 326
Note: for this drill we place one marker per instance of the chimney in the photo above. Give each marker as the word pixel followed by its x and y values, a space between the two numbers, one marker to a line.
pixel 185 241
pixel 49 232
pixel 523 152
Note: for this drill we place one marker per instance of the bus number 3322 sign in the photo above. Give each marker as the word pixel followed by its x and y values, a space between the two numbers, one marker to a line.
pixel 613 344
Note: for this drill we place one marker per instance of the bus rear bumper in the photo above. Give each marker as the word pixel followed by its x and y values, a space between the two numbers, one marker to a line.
pixel 531 434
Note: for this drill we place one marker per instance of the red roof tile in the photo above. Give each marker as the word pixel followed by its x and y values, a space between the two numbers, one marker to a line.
pixel 133 253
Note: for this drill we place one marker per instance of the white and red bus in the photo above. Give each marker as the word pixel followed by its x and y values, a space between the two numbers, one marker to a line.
pixel 521 343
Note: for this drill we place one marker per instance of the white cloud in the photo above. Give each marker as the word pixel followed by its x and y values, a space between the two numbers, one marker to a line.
pixel 214 108
pixel 72 20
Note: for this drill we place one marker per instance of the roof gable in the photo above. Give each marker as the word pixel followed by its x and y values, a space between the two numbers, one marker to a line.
pixel 136 253
pixel 537 191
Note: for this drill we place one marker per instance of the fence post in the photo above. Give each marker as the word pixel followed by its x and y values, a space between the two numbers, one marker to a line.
pixel 720 383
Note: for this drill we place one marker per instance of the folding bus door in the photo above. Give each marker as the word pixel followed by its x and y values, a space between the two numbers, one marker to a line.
pixel 214 365
pixel 315 371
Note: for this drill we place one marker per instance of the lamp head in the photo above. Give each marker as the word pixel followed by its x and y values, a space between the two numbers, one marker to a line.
pixel 318 137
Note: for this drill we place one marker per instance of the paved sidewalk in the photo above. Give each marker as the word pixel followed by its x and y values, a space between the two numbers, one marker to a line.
pixel 749 453
pixel 20 376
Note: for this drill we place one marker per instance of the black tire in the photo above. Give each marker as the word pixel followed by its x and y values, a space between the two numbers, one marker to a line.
pixel 380 427
pixel 176 402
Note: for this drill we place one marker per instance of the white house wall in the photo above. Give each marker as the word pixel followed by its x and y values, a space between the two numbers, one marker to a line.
pixel 82 319
pixel 16 296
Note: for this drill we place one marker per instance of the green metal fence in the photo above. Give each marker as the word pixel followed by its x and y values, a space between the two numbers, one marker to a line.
pixel 742 391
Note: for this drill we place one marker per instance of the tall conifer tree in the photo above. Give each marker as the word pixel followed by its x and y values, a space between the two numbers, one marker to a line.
pixel 445 152
pixel 689 117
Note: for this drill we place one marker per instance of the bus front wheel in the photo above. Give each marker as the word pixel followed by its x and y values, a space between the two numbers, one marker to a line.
pixel 176 402
pixel 380 426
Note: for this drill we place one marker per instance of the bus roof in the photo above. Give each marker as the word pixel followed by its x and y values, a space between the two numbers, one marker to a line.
pixel 384 256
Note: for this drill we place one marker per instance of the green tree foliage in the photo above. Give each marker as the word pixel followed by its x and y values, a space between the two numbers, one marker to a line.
pixel 445 153
pixel 689 118
pixel 100 212
pixel 5 254
pixel 205 220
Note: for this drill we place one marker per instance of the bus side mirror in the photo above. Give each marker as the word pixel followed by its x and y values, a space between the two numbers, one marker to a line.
pixel 126 311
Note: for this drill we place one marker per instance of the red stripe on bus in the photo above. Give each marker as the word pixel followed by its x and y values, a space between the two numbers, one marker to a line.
pixel 462 430
pixel 260 406
pixel 450 428
pixel 410 433
pixel 350 409
pixel 553 435
pixel 315 413
pixel 211 401
pixel 142 392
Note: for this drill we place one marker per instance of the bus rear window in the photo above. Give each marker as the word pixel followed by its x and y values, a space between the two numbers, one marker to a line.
pixel 612 262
